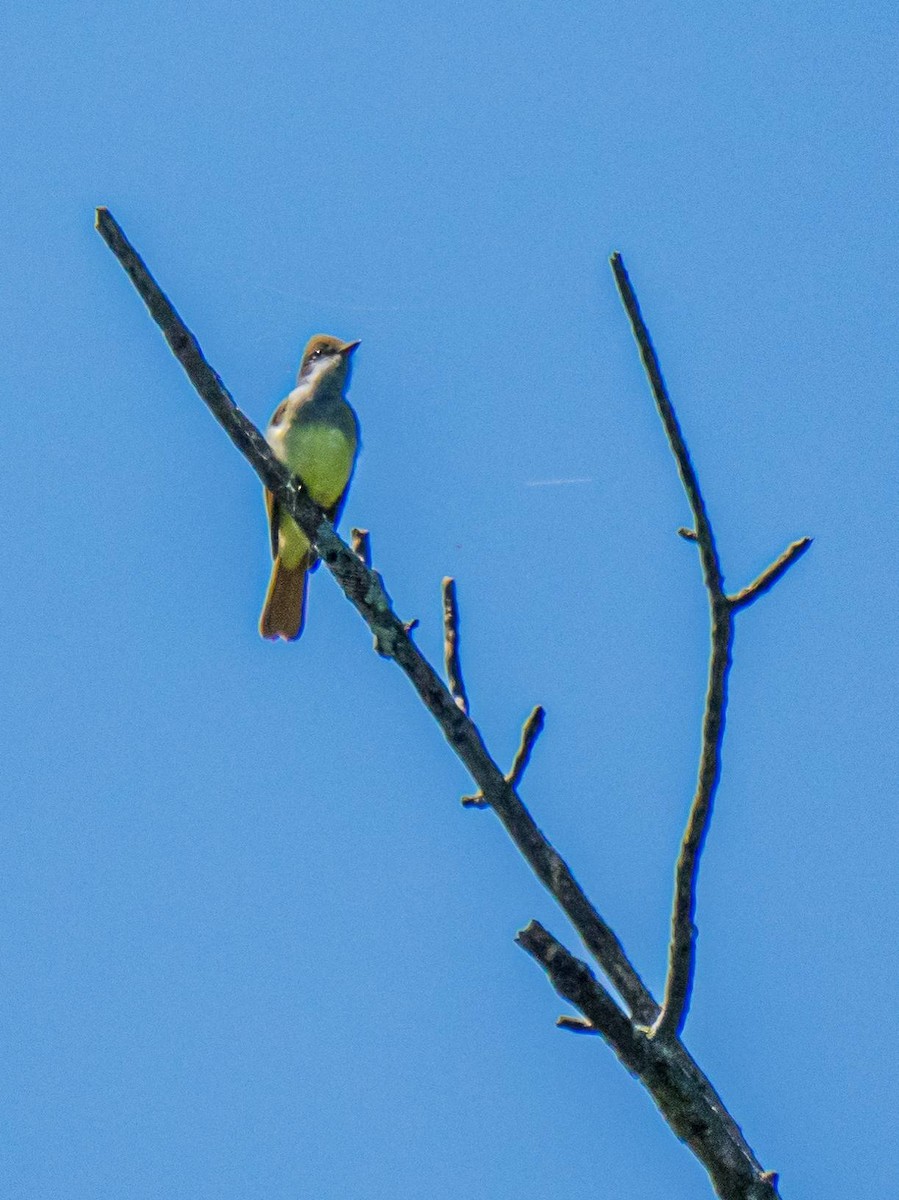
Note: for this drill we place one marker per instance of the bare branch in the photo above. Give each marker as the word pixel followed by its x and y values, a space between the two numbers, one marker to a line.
pixel 577 984
pixel 364 590
pixel 703 531
pixel 451 659
pixel 685 1098
pixel 678 1086
pixel 682 947
pixel 531 730
pixel 770 575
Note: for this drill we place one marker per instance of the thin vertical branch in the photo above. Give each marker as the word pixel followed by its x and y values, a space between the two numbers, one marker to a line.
pixel 682 946
pixel 708 553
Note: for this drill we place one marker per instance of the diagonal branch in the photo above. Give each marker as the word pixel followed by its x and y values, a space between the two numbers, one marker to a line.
pixel 364 590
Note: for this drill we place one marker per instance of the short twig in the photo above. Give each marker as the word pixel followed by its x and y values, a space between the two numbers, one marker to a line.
pixel 478 800
pixel 451 656
pixel 770 575
pixel 576 1024
pixel 360 540
pixel 531 730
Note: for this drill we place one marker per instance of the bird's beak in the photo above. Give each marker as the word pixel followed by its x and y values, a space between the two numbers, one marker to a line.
pixel 348 347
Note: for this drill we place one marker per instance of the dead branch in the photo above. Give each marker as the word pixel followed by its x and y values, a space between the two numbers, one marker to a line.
pixel 681 1091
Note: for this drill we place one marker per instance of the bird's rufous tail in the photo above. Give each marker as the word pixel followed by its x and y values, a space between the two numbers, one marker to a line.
pixel 284 611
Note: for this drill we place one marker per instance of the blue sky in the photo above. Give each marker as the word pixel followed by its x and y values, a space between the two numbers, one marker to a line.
pixel 252 944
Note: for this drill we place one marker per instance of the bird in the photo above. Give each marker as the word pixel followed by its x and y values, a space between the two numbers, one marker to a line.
pixel 314 432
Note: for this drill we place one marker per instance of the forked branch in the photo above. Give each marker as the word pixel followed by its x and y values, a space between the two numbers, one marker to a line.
pixel 682 944
pixel 681 1091
pixel 694 1110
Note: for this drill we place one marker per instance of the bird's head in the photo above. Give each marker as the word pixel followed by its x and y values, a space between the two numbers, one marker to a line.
pixel 329 357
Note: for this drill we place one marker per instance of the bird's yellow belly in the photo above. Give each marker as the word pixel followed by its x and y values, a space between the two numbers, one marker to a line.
pixel 323 458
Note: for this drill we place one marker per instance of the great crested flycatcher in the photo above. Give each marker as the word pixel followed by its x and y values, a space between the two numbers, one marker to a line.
pixel 315 433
